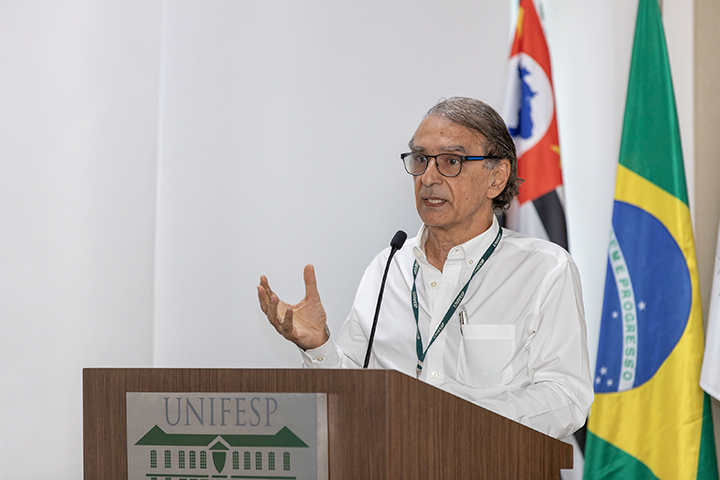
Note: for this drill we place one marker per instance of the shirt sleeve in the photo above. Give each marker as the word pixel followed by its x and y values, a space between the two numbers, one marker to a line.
pixel 327 355
pixel 560 392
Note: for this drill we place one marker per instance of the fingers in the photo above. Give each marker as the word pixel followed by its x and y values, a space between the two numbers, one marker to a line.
pixel 283 325
pixel 287 327
pixel 311 290
pixel 265 285
pixel 264 294
pixel 269 303
pixel 269 307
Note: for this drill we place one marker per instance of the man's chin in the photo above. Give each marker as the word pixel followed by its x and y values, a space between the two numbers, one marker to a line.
pixel 433 219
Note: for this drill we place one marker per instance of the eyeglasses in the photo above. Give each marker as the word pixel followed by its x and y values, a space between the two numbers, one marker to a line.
pixel 448 164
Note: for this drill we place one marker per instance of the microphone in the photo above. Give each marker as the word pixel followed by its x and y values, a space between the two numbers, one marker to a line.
pixel 395 244
pixel 397 241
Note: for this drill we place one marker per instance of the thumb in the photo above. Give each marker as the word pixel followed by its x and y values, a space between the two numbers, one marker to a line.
pixel 311 290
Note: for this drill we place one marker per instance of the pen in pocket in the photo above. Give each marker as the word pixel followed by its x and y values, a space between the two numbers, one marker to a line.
pixel 463 317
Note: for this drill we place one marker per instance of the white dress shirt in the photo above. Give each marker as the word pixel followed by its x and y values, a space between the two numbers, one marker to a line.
pixel 522 353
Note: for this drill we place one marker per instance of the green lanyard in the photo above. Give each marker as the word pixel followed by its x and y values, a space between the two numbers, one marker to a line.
pixel 451 311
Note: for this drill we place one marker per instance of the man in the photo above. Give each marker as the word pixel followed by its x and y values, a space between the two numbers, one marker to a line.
pixel 499 315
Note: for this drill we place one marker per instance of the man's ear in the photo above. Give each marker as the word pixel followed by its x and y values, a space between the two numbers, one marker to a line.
pixel 500 175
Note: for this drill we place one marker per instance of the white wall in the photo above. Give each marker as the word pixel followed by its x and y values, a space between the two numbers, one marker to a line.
pixel 78 140
pixel 275 128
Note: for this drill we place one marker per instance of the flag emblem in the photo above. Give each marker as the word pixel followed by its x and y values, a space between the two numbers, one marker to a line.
pixel 531 98
pixel 643 265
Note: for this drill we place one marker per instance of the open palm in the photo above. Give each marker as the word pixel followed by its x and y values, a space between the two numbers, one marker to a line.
pixel 302 323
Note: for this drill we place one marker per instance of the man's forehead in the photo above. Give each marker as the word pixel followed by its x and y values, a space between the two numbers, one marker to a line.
pixel 434 129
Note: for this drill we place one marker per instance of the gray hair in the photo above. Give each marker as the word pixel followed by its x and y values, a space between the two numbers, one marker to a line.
pixel 482 118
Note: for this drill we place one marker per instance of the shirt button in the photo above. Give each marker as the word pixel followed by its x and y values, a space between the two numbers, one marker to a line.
pixel 470 261
pixel 435 374
pixel 320 359
pixel 433 284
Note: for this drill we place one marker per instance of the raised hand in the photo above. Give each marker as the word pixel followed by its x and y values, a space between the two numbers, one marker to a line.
pixel 303 323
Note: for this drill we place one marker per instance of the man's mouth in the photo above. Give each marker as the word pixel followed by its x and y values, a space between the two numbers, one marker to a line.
pixel 434 201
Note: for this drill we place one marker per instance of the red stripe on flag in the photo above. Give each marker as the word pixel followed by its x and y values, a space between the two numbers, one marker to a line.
pixel 540 165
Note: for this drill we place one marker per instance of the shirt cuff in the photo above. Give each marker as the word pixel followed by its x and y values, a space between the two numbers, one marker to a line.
pixel 324 356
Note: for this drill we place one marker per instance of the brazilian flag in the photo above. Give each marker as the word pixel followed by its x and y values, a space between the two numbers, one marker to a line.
pixel 650 419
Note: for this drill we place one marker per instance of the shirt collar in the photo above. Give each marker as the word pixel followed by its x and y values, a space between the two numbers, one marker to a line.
pixel 471 251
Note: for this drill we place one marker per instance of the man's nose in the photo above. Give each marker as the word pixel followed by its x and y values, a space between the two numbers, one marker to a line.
pixel 432 174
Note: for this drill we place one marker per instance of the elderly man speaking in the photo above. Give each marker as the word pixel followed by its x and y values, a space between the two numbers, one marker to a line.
pixel 482 312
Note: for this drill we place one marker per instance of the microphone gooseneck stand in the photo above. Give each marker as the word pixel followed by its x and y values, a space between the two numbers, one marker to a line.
pixel 395 244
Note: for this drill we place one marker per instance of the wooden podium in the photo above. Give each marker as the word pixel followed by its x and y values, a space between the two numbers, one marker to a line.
pixel 382 425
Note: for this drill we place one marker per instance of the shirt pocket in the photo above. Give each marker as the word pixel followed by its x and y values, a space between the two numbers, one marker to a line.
pixel 486 353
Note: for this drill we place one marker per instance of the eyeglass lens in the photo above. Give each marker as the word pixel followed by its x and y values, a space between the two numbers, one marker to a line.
pixel 447 163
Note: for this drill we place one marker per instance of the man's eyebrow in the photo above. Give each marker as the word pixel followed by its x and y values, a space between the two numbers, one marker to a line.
pixel 445 149
pixel 454 148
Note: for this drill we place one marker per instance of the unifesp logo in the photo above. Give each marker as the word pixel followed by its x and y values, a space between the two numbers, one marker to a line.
pixel 184 436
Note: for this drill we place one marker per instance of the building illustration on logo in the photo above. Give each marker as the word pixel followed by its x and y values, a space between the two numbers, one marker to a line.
pixel 185 456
